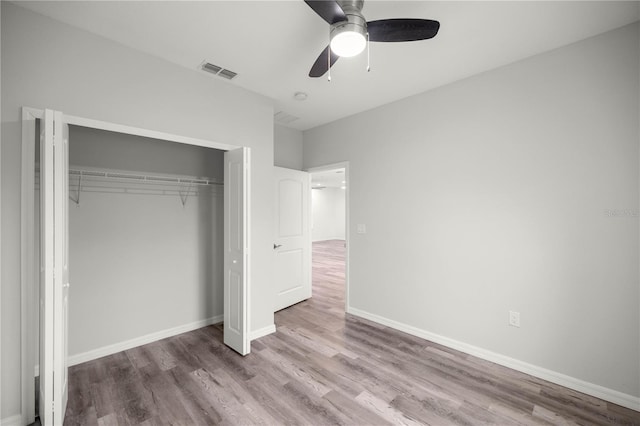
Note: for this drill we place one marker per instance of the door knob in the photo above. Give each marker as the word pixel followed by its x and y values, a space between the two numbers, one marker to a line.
pixel 277 246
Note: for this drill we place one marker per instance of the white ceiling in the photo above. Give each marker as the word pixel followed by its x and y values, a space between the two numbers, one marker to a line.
pixel 272 44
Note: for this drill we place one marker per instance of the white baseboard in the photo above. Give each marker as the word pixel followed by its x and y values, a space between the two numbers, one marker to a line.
pixel 261 332
pixel 142 340
pixel 616 397
pixel 12 421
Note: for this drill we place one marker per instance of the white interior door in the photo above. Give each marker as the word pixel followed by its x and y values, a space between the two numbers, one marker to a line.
pixel 236 253
pixel 54 267
pixel 292 237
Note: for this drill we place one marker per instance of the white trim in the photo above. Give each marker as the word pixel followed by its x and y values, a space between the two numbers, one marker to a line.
pixel 138 131
pixel 142 340
pixel 347 241
pixel 12 421
pixel 28 304
pixel 261 332
pixel 616 397
pixel 248 257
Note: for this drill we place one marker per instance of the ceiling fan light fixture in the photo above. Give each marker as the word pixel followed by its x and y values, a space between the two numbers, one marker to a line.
pixel 348 43
pixel 349 38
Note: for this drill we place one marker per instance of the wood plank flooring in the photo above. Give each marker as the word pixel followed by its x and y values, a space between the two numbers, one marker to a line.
pixel 321 367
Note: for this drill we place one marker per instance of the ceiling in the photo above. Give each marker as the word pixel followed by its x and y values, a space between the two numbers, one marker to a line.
pixel 272 44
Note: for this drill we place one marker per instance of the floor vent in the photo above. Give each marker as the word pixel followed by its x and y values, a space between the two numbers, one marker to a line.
pixel 217 70
pixel 284 118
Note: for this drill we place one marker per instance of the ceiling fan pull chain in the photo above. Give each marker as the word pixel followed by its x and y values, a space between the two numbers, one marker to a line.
pixel 368 67
pixel 329 58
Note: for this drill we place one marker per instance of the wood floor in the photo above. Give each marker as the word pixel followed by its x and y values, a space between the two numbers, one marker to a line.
pixel 321 367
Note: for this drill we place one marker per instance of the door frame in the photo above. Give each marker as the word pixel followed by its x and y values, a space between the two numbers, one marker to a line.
pixel 28 304
pixel 342 165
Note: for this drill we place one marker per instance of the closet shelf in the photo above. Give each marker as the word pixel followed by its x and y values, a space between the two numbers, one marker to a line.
pixel 84 179
pixel 120 175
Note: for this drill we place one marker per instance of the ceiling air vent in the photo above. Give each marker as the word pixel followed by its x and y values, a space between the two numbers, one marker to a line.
pixel 227 74
pixel 219 71
pixel 284 118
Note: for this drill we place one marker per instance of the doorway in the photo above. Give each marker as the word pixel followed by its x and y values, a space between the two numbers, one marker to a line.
pixel 54 137
pixel 330 231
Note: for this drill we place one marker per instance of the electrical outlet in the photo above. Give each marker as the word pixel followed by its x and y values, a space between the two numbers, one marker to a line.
pixel 361 228
pixel 514 318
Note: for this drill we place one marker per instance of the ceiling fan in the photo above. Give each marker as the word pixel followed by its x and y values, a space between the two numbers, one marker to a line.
pixel 350 32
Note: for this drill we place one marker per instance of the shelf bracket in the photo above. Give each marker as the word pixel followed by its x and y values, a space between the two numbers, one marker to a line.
pixel 185 195
pixel 77 199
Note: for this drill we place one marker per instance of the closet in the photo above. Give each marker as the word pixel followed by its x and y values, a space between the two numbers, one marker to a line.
pixel 145 239
pixel 150 231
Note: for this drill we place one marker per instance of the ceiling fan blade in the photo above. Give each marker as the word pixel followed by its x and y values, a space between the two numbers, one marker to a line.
pixel 329 10
pixel 320 66
pixel 393 30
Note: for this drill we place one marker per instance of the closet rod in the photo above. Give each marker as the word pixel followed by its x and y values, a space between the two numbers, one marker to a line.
pixel 141 177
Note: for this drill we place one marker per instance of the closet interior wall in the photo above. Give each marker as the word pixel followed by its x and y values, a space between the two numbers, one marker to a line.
pixel 146 258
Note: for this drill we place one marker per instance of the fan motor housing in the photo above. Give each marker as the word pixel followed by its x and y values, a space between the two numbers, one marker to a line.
pixel 355 21
pixel 351 4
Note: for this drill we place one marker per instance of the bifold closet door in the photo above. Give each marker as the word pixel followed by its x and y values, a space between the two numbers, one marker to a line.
pixel 236 252
pixel 54 267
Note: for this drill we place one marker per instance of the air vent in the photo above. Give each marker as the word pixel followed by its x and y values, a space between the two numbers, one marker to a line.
pixel 227 74
pixel 217 70
pixel 214 69
pixel 284 117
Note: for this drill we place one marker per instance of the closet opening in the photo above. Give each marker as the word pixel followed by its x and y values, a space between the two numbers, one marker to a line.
pixel 146 236
pixel 155 246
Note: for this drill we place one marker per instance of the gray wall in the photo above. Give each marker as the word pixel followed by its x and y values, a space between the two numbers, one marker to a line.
pixel 287 147
pixel 328 214
pixel 99 148
pixel 46 64
pixel 516 189
pixel 142 263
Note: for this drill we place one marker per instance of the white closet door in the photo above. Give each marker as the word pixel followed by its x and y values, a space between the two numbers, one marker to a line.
pixel 236 253
pixel 54 267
